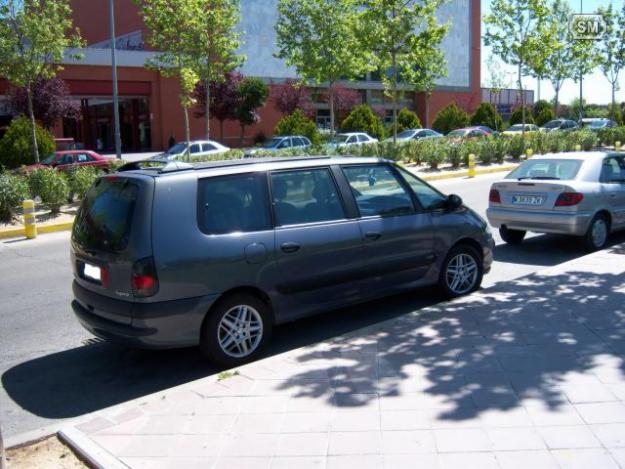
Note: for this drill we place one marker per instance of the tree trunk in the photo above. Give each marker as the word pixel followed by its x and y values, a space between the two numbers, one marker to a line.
pixel 427 109
pixel 520 83
pixel 613 110
pixel 33 124
pixel 187 132
pixel 556 101
pixel 221 130
pixel 394 98
pixel 242 134
pixel 207 117
pixel 331 104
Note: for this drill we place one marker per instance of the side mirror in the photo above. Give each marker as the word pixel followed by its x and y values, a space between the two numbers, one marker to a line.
pixel 454 202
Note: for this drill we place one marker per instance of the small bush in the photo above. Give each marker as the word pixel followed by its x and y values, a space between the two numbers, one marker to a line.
pixel 81 179
pixel 16 146
pixel 363 119
pixel 406 119
pixel 544 116
pixel 487 115
pixel 517 116
pixel 51 186
pixel 587 139
pixel 298 124
pixel 457 153
pixel 13 190
pixel 516 146
pixel 433 152
pixel 449 118
pixel 494 149
pixel 233 154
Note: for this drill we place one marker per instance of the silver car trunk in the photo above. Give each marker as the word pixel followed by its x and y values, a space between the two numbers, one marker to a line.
pixel 531 194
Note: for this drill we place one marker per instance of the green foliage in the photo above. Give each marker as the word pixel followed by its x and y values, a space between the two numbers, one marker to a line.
pixel 251 95
pixel 539 106
pixel 234 154
pixel 611 46
pixel 13 190
pixel 587 139
pixel 450 118
pixel 544 116
pixel 363 119
pixel 516 147
pixel 609 136
pixel 434 152
pixel 298 124
pixel 80 180
pixel 51 186
pixel 457 153
pixel 16 147
pixel 487 115
pixel 406 119
pixel 517 116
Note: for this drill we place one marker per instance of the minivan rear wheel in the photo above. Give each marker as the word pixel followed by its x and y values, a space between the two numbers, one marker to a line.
pixel 511 236
pixel 235 330
pixel 461 272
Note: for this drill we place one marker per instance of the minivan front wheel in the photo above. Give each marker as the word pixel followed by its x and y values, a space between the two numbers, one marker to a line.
pixel 236 330
pixel 462 271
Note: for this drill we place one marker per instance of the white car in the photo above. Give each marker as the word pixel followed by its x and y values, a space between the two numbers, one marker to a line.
pixel 516 129
pixel 415 134
pixel 198 148
pixel 351 138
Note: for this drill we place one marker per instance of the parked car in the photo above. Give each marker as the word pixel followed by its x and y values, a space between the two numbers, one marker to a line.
pixel 68 159
pixel 416 134
pixel 197 148
pixel 63 144
pixel 351 138
pixel 598 123
pixel 580 194
pixel 467 133
pixel 487 129
pixel 561 125
pixel 282 143
pixel 216 254
pixel 518 128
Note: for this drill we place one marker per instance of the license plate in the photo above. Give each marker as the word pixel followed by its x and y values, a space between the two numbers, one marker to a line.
pixel 92 272
pixel 528 199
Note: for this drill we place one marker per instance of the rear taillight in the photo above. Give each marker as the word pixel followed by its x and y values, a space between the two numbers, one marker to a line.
pixel 568 199
pixel 144 280
pixel 104 276
pixel 494 196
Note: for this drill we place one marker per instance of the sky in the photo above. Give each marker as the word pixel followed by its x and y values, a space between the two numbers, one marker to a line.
pixel 596 87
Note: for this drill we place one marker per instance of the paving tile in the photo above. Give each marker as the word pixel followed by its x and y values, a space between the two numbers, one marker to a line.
pixel 515 439
pixel 369 461
pixel 355 420
pixel 94 425
pixel 462 440
pixel 468 461
pixel 306 422
pixel 526 460
pixel 263 404
pixel 584 459
pixel 564 414
pixel 165 425
pixel 406 419
pixel 461 417
pixel 258 423
pixel 190 463
pixel 357 401
pixel 602 412
pixel 302 444
pixel 404 461
pixel 196 446
pixel 415 401
pixel 148 463
pixel 322 403
pixel 618 390
pixel 515 417
pixel 201 425
pixel 619 456
pixel 344 443
pixel 235 462
pixel 301 462
pixel 568 437
pixel 137 446
pixel 588 392
pixel 408 441
pixel 610 435
pixel 246 445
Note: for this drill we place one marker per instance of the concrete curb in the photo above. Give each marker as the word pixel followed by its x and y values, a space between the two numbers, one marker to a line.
pixel 90 451
pixel 464 174
pixel 50 228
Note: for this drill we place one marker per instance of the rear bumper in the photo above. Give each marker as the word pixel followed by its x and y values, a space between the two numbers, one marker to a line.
pixel 166 324
pixel 567 223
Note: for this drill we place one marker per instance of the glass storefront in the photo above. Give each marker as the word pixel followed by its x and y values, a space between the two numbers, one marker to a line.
pixel 96 126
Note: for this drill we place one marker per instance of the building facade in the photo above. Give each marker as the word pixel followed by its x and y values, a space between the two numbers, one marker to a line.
pixel 150 113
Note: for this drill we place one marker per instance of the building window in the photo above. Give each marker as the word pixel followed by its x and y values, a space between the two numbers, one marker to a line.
pixel 323 118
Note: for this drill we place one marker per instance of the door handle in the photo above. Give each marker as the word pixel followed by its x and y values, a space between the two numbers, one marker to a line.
pixel 373 235
pixel 290 247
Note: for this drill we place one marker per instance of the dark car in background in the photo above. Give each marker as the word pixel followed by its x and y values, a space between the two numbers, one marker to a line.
pixel 216 254
pixel 565 125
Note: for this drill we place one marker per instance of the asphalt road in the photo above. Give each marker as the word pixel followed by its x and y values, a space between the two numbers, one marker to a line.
pixel 51 369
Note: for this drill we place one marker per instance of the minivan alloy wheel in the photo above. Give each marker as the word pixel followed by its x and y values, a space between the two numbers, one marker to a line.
pixel 240 331
pixel 461 274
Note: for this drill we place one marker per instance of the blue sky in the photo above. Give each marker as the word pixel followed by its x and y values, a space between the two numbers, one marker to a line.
pixel 596 87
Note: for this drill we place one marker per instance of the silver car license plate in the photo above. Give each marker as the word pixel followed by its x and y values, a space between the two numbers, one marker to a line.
pixel 528 199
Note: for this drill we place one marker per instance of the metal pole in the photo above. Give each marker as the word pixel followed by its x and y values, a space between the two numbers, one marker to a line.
pixel 581 76
pixel 118 141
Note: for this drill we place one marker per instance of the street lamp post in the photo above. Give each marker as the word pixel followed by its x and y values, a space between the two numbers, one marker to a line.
pixel 118 142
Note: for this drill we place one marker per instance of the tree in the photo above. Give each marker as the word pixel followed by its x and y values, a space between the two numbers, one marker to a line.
pixel 611 49
pixel 519 34
pixel 404 38
pixel 498 78
pixel 521 115
pixel 298 124
pixel 449 118
pixel 34 35
pixel 318 38
pixel 542 112
pixel 487 115
pixel 290 96
pixel 345 99
pixel 16 145
pixel 223 98
pixel 51 101
pixel 363 119
pixel 251 95
pixel 406 119
pixel 173 26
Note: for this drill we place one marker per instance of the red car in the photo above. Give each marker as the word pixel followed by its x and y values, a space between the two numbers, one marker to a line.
pixel 68 159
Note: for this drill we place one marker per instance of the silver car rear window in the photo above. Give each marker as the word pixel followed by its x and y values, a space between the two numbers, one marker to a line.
pixel 547 169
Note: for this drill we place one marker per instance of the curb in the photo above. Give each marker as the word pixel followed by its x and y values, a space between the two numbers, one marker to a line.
pixel 89 451
pixel 51 228
pixel 464 174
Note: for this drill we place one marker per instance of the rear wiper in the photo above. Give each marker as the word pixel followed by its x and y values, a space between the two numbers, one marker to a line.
pixel 539 177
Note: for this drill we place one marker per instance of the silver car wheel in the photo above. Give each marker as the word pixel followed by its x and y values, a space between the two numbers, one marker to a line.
pixel 240 331
pixel 461 273
pixel 599 232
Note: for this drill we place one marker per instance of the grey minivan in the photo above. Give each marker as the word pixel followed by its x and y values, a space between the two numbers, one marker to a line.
pixel 215 254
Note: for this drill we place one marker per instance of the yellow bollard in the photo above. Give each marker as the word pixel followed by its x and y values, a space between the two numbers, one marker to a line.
pixel 471 165
pixel 617 146
pixel 529 153
pixel 578 147
pixel 30 225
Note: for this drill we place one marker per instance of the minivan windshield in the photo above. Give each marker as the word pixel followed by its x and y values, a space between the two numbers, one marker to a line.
pixel 104 220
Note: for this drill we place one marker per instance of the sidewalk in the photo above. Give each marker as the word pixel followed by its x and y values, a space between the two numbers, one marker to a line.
pixel 528 374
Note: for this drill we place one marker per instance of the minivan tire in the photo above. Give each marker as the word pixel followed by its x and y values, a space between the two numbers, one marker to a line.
pixel 511 236
pixel 598 232
pixel 468 256
pixel 221 329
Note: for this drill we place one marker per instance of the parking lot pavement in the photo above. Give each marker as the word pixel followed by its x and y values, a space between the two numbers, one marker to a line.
pixel 525 374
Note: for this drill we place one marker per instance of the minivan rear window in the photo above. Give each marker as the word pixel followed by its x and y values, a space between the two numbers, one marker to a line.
pixel 104 220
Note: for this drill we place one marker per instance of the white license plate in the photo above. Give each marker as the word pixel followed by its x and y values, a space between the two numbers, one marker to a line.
pixel 92 272
pixel 528 199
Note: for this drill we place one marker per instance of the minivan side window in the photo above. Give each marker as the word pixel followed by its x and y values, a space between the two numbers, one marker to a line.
pixel 428 197
pixel 305 196
pixel 235 203
pixel 378 191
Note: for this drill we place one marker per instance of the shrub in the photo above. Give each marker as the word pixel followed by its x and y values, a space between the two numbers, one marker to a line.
pixel 298 124
pixel 80 180
pixel 539 106
pixel 406 119
pixel 544 116
pixel 16 145
pixel 587 139
pixel 13 190
pixel 487 115
pixel 449 118
pixel 555 142
pixel 51 186
pixel 432 152
pixel 516 146
pixel 363 119
pixel 517 116
pixel 410 152
pixel 233 154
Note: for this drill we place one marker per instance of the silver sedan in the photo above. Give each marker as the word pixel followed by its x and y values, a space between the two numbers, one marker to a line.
pixel 577 193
